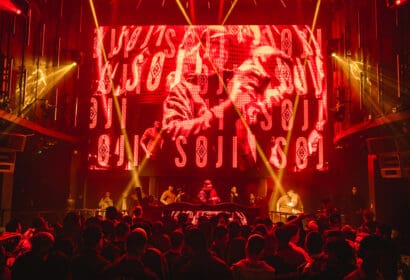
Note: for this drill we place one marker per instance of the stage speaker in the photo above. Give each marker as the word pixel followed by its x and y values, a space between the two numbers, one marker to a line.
pixel 12 142
pixel 389 164
pixel 381 145
pixel 7 161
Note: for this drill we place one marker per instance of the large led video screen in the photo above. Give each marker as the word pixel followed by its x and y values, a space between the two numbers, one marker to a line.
pixel 208 99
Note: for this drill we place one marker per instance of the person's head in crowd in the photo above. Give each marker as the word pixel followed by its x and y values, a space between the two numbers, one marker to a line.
pixel 41 243
pixel 164 243
pixel 369 223
pixel 313 243
pixel 284 234
pixel 108 229
pixel 339 252
pixel 268 223
pixel 370 251
pixel 65 246
pixel 206 227
pixel 146 226
pixel 349 232
pixel 291 218
pixel 255 246
pixel 136 242
pixel 111 213
pixel 195 241
pixel 121 231
pixel 246 230
pixel 157 227
pixel 177 239
pixel 312 226
pixel 368 216
pixel 72 221
pixel 14 225
pixel 137 211
pixel 127 219
pixel 222 219
pixel 258 220
pixel 57 229
pixel 384 231
pixel 271 243
pixel 220 236
pixel 97 220
pixel 335 220
pixel 261 229
pixel 39 224
pixel 92 237
pixel 333 233
pixel 203 219
pixel 182 219
pixel 279 224
pixel 234 229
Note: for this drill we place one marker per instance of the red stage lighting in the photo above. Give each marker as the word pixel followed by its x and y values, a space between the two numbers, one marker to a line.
pixel 7 5
pixel 395 3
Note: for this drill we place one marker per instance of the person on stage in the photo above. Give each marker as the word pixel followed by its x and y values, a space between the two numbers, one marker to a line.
pixel 105 202
pixel 168 196
pixel 290 203
pixel 234 196
pixel 151 141
pixel 181 195
pixel 208 194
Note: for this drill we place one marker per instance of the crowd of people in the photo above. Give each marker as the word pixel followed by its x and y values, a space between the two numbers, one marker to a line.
pixel 117 246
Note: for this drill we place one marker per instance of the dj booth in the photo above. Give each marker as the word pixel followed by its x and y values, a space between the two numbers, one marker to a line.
pixel 241 213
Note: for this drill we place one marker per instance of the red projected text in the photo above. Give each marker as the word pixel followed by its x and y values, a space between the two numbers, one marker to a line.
pixel 208 98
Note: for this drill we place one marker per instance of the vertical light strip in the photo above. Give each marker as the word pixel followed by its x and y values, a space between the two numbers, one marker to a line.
pixel 58 51
pixel 28 22
pixel 43 38
pixel 221 10
pixel 398 74
pixel 192 10
pixel 56 105
pixel 80 27
pixel 76 112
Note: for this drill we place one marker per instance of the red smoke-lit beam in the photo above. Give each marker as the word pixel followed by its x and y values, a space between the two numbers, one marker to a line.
pixel 7 5
pixel 35 127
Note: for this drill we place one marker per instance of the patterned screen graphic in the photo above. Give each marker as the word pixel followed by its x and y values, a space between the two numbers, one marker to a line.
pixel 175 99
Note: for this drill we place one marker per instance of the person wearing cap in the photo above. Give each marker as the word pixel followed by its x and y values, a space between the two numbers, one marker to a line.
pixel 224 81
pixel 208 194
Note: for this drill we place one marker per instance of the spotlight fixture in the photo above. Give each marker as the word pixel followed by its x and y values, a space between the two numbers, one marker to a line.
pixel 395 3
pixel 22 6
pixel 12 6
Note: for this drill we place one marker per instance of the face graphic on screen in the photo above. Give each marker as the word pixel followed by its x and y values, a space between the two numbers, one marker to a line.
pixel 227 97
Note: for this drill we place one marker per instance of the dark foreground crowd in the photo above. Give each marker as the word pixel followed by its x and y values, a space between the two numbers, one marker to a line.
pixel 130 247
